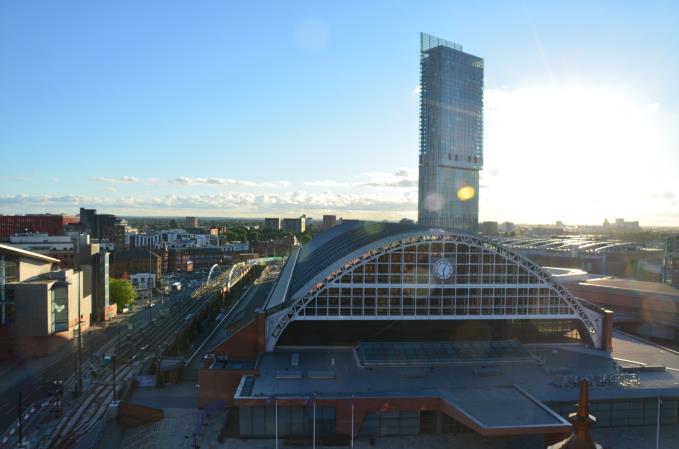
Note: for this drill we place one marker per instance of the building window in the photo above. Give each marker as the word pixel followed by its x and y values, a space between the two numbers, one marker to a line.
pixel 292 421
pixel 59 300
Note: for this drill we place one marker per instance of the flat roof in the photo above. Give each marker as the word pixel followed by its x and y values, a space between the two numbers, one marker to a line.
pixel 629 284
pixel 441 353
pixel 282 374
pixel 502 407
pixel 16 251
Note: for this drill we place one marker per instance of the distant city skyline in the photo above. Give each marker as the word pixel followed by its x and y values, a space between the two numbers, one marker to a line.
pixel 268 109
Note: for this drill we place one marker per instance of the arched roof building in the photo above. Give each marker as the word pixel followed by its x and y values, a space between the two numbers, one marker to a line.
pixel 398 329
pixel 391 273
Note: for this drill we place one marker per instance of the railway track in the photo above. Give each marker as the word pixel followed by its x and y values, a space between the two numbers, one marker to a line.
pixel 130 356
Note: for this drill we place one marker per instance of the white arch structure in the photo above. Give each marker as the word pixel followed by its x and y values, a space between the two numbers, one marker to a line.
pixel 209 275
pixel 499 284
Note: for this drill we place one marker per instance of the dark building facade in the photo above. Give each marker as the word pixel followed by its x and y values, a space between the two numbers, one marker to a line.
pixel 451 135
pixel 103 227
pixel 133 261
pixel 96 268
pixel 193 259
pixel 42 223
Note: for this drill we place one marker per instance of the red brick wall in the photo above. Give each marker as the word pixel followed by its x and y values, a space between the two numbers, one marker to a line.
pixel 219 385
pixel 242 345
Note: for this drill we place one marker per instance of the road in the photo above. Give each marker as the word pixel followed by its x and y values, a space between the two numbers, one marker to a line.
pixel 36 383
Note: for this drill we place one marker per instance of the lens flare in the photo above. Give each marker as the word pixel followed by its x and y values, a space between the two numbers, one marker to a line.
pixel 434 201
pixel 466 193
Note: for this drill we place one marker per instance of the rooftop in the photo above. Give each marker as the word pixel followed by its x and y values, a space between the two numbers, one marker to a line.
pixel 628 284
pixel 338 242
pixel 15 251
pixel 284 374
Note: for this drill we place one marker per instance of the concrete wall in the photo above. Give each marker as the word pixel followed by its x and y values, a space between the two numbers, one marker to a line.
pixel 32 309
pixel 77 287
pixel 243 345
pixel 30 268
pixel 219 386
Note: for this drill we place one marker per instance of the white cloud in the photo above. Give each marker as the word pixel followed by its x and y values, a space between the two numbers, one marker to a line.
pixel 230 203
pixel 417 90
pixel 403 177
pixel 326 183
pixel 188 181
pixel 107 180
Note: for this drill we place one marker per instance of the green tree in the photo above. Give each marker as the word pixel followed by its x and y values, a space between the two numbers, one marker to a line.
pixel 121 292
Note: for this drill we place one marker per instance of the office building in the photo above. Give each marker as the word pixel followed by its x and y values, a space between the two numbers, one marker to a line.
pixel 296 225
pixel 194 259
pixel 329 221
pixel 451 135
pixel 272 223
pixel 191 222
pixel 133 261
pixel 40 223
pixel 488 228
pixel 104 227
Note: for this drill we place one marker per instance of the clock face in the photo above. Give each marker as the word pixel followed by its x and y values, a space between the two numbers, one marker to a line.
pixel 442 269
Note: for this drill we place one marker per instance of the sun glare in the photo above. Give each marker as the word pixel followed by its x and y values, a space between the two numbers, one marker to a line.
pixel 571 145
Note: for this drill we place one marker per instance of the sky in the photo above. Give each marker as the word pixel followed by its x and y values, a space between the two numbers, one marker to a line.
pixel 253 109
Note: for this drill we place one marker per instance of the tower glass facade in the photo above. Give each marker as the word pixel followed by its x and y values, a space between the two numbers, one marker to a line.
pixel 451 135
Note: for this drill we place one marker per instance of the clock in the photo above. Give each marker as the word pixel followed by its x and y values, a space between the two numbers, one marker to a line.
pixel 442 269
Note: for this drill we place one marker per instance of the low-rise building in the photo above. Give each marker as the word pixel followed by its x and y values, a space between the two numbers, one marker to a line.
pixel 143 283
pixel 507 227
pixel 133 261
pixel 194 259
pixel 236 247
pixel 40 309
pixel 38 223
pixel 56 246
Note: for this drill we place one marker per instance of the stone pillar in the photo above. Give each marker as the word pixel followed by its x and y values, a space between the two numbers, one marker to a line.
pixel 607 331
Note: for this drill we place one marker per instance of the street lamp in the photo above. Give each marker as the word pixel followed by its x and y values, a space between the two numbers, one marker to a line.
pixel 58 389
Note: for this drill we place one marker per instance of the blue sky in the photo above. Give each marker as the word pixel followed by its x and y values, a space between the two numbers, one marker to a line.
pixel 260 108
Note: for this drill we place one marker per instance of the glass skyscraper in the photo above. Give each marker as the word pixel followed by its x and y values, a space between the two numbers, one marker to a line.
pixel 451 135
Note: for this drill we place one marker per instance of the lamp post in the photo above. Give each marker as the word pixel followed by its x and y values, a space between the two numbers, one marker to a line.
pixel 58 388
pixel 113 367
pixel 276 415
pixel 352 422
pixel 21 419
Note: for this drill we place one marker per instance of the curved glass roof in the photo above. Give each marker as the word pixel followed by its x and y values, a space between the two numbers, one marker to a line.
pixel 338 242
